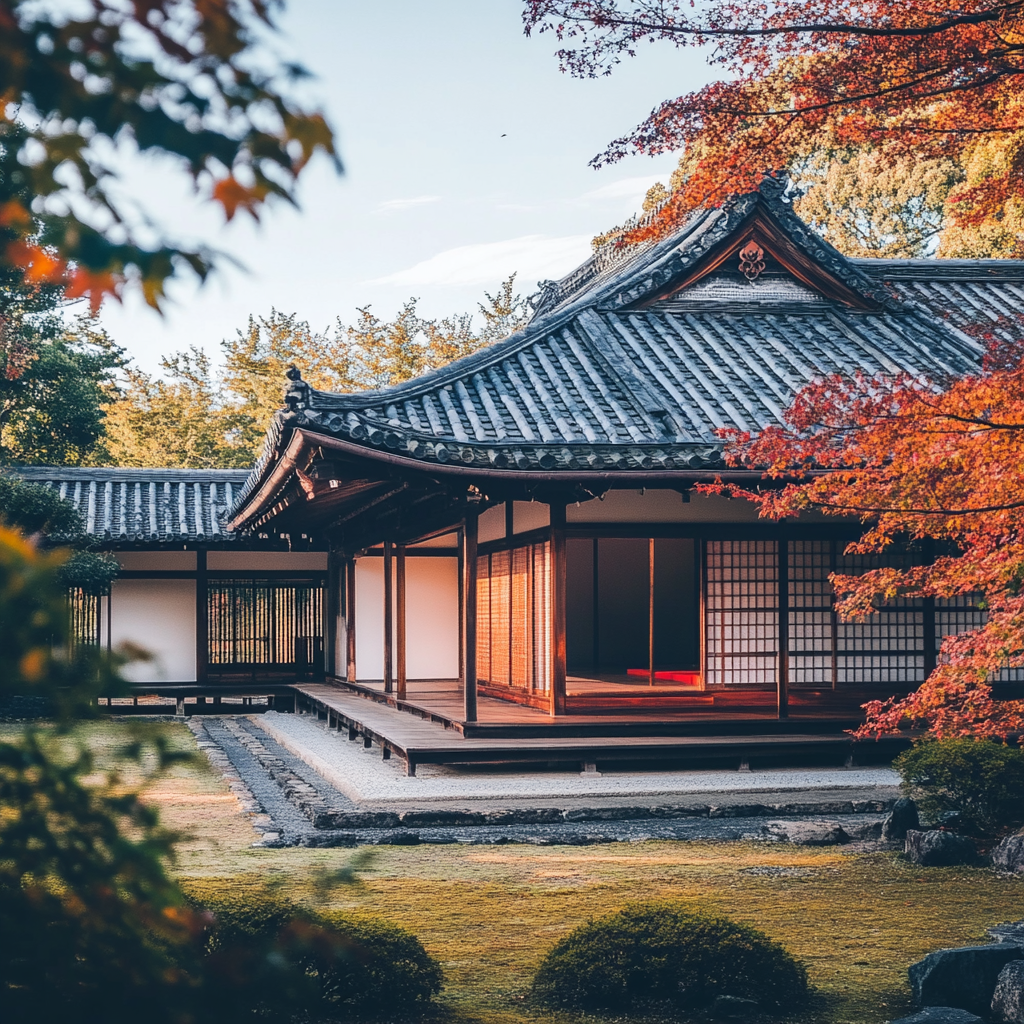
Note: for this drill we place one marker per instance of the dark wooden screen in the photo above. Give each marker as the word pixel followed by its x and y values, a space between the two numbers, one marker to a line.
pixel 268 625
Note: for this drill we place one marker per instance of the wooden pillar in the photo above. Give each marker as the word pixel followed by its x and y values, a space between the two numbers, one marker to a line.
pixel 460 571
pixel 333 612
pixel 650 613
pixel 558 608
pixel 202 621
pixel 468 553
pixel 782 669
pixel 400 649
pixel 350 620
pixel 389 618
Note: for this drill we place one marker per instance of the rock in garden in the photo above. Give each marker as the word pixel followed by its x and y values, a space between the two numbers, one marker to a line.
pixel 805 833
pixel 1009 856
pixel 901 820
pixel 939 849
pixel 964 978
pixel 1008 999
pixel 941 1015
pixel 733 1006
pixel 1008 931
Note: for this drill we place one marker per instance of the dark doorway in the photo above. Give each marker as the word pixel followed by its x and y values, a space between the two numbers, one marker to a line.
pixel 608 591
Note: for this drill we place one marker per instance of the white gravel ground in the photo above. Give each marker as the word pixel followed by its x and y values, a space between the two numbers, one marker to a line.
pixel 364 777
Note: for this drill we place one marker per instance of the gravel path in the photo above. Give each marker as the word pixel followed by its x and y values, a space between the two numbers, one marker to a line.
pixel 365 778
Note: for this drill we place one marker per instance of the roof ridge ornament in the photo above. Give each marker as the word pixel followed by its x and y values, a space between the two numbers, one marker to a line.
pixel 751 260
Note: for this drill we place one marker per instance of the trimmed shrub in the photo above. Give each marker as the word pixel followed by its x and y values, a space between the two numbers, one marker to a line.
pixel 659 953
pixel 266 956
pixel 982 779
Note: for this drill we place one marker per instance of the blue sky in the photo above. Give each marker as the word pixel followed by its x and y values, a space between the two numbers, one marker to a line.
pixel 466 158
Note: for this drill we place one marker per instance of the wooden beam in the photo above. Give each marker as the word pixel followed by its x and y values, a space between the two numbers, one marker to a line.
pixel 350 620
pixel 650 612
pixel 389 618
pixel 467 546
pixel 782 667
pixel 400 649
pixel 558 610
pixel 333 612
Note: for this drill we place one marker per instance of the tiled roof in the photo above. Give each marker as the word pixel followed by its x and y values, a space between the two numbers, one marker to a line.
pixel 153 505
pixel 624 368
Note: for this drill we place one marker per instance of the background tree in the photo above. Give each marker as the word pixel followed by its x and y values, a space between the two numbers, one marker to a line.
pixel 919 80
pixel 918 459
pixel 196 417
pixel 84 86
pixel 54 377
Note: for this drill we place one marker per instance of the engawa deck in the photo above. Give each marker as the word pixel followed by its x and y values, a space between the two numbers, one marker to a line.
pixel 426 729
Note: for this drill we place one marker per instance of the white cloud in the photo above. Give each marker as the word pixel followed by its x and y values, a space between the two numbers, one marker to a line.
pixel 405 204
pixel 628 188
pixel 532 257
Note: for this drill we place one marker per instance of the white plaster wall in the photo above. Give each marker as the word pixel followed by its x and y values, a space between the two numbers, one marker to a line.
pixel 257 561
pixel 530 515
pixel 432 618
pixel 446 540
pixel 162 561
pixel 492 524
pixel 661 506
pixel 159 615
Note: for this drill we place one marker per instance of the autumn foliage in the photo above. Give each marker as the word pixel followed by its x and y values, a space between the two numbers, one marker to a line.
pixel 913 79
pixel 937 461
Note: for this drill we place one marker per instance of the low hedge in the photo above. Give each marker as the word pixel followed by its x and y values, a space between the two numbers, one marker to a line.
pixel 663 953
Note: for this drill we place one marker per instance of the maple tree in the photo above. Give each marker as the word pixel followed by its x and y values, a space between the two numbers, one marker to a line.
pixel 799 76
pixel 920 460
pixel 85 85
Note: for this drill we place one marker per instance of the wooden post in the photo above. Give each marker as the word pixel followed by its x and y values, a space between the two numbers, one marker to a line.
pixel 350 620
pixel 468 551
pixel 333 611
pixel 650 613
pixel 460 572
pixel 389 619
pixel 202 621
pixel 558 609
pixel 400 612
pixel 782 669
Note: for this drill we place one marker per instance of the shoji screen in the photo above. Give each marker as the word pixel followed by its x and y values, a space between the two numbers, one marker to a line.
pixel 742 612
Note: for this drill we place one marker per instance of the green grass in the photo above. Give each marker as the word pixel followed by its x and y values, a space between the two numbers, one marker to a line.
pixel 490 913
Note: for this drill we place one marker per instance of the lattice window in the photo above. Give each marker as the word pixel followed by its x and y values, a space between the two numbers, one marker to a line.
pixel 84 614
pixel 956 615
pixel 887 647
pixel 265 622
pixel 742 617
pixel 811 618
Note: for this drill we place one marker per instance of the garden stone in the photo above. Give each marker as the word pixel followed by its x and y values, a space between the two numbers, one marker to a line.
pixel 1008 931
pixel 1009 856
pixel 939 849
pixel 733 1006
pixel 1008 999
pixel 902 818
pixel 805 833
pixel 941 1015
pixel 963 978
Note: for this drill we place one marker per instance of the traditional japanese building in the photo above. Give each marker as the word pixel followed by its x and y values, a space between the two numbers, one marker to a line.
pixel 522 525
pixel 524 520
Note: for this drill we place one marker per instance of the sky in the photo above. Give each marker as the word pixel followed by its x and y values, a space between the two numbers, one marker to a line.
pixel 465 155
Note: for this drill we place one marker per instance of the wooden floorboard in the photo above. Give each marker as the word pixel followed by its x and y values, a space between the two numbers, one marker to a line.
pixel 524 734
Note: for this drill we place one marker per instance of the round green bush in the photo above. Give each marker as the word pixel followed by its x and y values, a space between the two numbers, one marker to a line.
pixel 265 956
pixel 657 953
pixel 982 779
